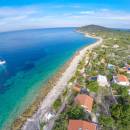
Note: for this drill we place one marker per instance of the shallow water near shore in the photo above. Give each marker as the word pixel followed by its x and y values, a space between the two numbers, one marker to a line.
pixel 32 57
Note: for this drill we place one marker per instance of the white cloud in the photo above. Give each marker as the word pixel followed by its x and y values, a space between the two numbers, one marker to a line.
pixel 104 9
pixel 104 14
pixel 87 12
pixel 40 16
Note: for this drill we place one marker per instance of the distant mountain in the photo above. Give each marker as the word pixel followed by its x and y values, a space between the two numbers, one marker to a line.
pixel 96 28
pixel 93 28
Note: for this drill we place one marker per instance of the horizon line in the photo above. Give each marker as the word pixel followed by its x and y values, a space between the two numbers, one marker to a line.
pixel 38 28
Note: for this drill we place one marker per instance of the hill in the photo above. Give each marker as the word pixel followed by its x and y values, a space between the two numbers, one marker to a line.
pixel 93 28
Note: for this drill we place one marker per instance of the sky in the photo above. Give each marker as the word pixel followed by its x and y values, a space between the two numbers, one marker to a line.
pixel 28 14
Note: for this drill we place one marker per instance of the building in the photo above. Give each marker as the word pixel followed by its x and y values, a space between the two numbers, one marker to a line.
pixel 94 78
pixel 127 69
pixel 110 66
pixel 81 125
pixel 84 101
pixel 115 46
pixel 129 91
pixel 102 80
pixel 48 116
pixel 79 89
pixel 121 80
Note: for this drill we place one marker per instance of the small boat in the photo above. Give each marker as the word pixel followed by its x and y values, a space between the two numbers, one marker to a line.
pixel 2 62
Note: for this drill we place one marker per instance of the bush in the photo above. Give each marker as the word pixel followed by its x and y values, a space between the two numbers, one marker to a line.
pixel 71 112
pixel 75 112
pixel 61 123
pixel 57 104
pixel 92 86
pixel 121 90
pixel 106 121
pixel 121 115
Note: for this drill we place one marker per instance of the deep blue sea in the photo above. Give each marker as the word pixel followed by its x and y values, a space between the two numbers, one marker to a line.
pixel 32 57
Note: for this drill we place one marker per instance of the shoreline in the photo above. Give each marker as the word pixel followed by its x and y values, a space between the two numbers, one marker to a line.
pixel 54 87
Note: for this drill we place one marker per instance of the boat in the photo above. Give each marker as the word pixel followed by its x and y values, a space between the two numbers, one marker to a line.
pixel 2 62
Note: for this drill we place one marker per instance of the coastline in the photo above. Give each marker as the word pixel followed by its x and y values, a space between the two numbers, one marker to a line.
pixel 53 89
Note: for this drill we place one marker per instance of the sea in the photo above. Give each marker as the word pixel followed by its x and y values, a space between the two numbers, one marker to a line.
pixel 32 57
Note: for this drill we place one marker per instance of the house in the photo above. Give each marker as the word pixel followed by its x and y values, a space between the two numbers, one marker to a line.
pixel 115 46
pixel 81 125
pixel 129 91
pixel 79 89
pixel 48 116
pixel 104 46
pixel 121 70
pixel 102 80
pixel 84 101
pixel 82 72
pixel 110 66
pixel 103 61
pixel 94 78
pixel 127 69
pixel 121 80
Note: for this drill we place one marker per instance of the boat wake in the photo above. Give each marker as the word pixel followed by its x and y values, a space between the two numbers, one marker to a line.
pixel 2 62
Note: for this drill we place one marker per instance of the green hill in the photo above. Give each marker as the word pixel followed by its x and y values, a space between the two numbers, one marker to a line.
pixel 93 28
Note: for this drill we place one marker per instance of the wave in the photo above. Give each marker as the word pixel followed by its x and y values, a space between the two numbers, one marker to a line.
pixel 2 62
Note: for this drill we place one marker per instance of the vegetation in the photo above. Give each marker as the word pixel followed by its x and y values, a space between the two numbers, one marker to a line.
pixel 121 115
pixel 106 121
pixel 92 86
pixel 61 123
pixel 71 112
pixel 115 51
pixel 57 104
pixel 121 90
pixel 75 112
pixel 42 125
pixel 113 108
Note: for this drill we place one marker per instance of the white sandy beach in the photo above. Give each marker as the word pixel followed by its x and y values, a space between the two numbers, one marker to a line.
pixel 33 123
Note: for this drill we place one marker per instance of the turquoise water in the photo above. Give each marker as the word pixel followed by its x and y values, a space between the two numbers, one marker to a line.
pixel 32 57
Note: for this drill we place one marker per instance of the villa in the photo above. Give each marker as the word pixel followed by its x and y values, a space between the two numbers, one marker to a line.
pixel 79 89
pixel 94 78
pixel 127 69
pixel 115 46
pixel 121 80
pixel 48 116
pixel 111 66
pixel 84 101
pixel 81 125
pixel 102 80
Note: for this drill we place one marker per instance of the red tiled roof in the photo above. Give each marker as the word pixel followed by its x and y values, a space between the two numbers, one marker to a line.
pixel 85 101
pixel 122 78
pixel 77 124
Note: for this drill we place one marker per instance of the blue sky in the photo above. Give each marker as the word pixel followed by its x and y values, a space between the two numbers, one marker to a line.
pixel 24 14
